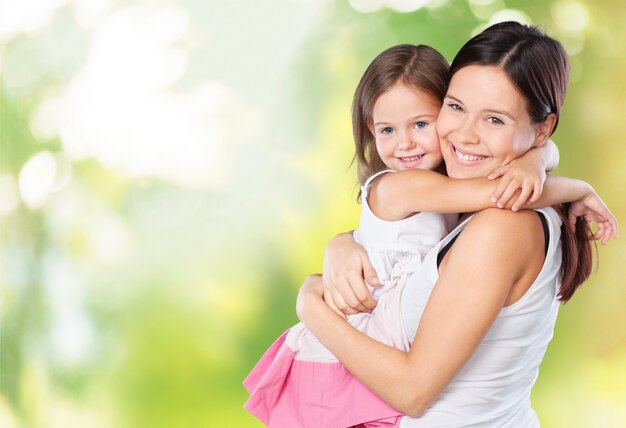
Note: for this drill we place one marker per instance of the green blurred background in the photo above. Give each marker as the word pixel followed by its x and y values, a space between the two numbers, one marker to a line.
pixel 170 171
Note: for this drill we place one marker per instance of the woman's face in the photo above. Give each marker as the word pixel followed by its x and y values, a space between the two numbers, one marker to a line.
pixel 483 123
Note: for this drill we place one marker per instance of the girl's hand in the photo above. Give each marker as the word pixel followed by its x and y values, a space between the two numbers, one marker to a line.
pixel 593 209
pixel 346 264
pixel 525 173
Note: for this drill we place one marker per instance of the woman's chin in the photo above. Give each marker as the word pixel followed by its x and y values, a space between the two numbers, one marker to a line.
pixel 463 173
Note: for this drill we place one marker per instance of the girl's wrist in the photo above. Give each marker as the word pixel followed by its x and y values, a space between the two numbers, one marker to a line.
pixel 587 190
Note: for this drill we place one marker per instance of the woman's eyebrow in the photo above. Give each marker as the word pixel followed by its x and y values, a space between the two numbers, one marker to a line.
pixel 502 112
pixel 454 98
pixel 491 110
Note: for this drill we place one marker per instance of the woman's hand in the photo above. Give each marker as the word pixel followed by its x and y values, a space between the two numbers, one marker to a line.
pixel 524 173
pixel 310 291
pixel 346 267
pixel 593 209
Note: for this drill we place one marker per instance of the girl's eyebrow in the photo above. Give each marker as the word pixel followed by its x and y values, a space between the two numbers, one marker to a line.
pixel 502 112
pixel 419 116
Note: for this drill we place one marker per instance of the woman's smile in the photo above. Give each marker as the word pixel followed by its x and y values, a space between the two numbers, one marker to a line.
pixel 483 123
pixel 464 157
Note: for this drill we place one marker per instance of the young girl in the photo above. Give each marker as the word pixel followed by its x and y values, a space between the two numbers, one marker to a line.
pixel 298 382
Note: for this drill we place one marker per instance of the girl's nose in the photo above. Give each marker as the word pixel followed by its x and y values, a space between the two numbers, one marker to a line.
pixel 405 141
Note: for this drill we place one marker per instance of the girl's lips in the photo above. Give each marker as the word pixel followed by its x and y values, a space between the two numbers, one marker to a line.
pixel 410 161
pixel 465 158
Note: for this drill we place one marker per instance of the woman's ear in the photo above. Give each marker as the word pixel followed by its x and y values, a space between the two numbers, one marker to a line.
pixel 544 130
pixel 370 126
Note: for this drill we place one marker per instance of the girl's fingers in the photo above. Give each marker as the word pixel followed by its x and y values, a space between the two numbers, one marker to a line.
pixel 523 197
pixel 508 194
pixel 496 173
pixel 536 192
pixel 502 186
pixel 607 235
pixel 599 234
pixel 572 220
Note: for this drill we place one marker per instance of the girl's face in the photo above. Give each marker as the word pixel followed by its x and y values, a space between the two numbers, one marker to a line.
pixel 404 128
pixel 484 124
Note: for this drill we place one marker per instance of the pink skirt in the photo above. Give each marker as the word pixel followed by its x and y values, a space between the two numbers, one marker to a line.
pixel 289 393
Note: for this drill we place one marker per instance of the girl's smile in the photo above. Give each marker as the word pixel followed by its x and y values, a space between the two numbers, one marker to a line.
pixel 404 128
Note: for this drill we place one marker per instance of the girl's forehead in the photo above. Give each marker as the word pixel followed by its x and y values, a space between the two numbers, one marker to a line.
pixel 407 93
pixel 404 101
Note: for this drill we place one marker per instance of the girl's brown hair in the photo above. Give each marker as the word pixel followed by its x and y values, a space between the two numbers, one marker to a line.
pixel 538 66
pixel 419 66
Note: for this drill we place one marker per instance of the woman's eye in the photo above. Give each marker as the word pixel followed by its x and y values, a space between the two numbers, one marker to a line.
pixel 420 125
pixel 495 120
pixel 386 130
pixel 455 106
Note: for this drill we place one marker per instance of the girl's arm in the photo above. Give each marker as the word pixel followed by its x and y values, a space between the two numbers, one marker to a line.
pixel 397 195
pixel 462 307
pixel 401 196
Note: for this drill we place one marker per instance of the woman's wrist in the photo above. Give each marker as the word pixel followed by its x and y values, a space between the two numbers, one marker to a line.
pixel 308 296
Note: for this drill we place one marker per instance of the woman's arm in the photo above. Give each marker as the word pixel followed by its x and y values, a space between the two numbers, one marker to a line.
pixel 480 271
pixel 346 264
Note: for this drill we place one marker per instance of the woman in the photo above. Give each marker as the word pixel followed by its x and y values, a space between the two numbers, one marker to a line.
pixel 493 285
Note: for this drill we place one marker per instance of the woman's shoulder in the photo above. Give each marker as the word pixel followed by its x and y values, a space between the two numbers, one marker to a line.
pixel 496 218
pixel 521 229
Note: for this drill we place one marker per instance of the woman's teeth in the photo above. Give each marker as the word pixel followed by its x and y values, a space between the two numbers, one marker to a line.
pixel 466 157
pixel 411 159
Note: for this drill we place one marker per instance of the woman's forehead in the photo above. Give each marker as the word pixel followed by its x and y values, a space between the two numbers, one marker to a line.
pixel 486 88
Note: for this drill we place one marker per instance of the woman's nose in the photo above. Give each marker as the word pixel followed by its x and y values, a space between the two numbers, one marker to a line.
pixel 466 133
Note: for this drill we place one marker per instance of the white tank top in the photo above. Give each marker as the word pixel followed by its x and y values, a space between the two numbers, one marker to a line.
pixel 493 388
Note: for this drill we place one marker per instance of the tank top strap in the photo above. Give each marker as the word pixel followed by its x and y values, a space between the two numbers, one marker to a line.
pixel 366 186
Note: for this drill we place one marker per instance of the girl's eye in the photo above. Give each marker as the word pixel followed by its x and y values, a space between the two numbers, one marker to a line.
pixel 386 131
pixel 420 125
pixel 495 120
pixel 455 106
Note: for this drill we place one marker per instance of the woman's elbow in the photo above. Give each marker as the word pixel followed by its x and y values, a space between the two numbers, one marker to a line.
pixel 415 402
pixel 415 409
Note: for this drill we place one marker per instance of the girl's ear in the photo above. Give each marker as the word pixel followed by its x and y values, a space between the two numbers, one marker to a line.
pixel 370 126
pixel 544 130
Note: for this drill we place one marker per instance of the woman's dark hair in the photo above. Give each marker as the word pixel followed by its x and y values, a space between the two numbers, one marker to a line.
pixel 420 67
pixel 537 64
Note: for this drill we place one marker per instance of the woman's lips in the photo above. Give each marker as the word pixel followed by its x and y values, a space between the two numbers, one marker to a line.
pixel 466 158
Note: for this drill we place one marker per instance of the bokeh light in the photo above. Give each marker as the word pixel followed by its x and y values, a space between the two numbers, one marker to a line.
pixel 170 171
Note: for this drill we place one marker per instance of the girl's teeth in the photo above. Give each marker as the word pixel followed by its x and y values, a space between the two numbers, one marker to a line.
pixel 411 159
pixel 467 157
